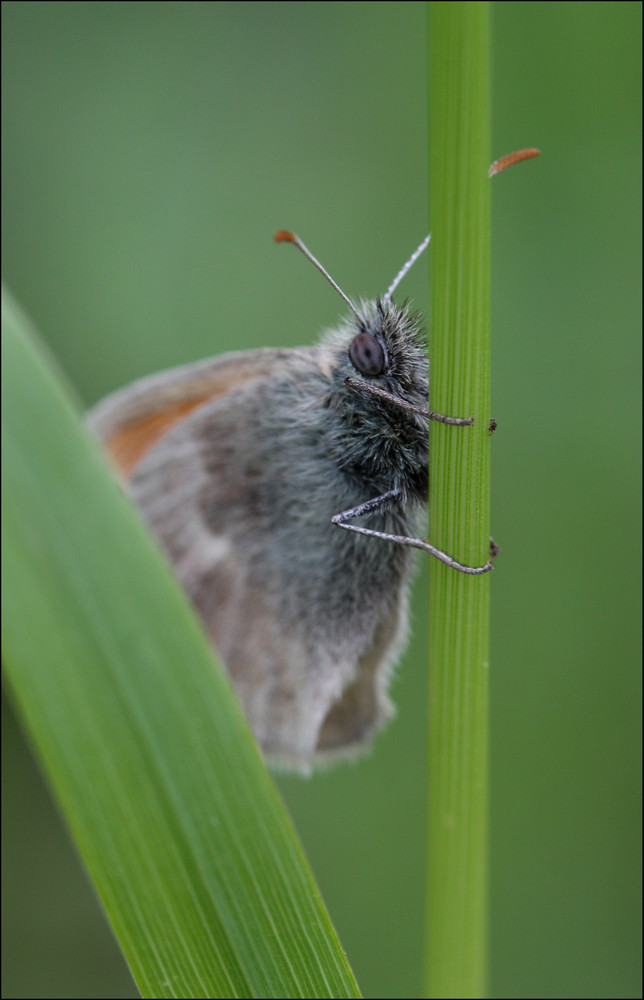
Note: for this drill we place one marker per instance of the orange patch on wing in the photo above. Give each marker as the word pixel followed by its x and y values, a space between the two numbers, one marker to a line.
pixel 128 446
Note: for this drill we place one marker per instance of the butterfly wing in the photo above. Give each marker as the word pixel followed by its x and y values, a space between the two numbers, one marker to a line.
pixel 204 449
pixel 131 420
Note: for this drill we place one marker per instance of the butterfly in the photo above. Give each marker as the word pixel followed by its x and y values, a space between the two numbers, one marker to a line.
pixel 252 469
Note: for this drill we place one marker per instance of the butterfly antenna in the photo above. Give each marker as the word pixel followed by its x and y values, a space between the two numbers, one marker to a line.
pixel 284 236
pixel 403 271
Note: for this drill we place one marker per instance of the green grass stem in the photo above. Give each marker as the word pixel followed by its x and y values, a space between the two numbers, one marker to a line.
pixel 459 156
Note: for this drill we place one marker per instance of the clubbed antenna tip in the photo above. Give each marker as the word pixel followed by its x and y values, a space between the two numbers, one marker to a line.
pixel 284 236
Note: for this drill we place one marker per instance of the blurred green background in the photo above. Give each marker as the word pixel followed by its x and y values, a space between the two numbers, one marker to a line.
pixel 150 150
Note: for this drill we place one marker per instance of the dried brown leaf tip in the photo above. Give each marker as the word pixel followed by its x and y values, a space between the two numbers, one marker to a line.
pixel 508 161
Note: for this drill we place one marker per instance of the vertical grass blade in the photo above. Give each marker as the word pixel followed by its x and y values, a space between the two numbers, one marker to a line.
pixel 145 746
pixel 459 157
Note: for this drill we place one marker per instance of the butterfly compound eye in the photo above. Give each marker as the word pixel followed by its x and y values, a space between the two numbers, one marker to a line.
pixel 367 354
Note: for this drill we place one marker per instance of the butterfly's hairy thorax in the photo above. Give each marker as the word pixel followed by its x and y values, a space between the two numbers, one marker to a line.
pixel 379 442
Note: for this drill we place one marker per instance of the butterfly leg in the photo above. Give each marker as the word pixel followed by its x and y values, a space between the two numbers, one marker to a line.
pixel 366 390
pixel 386 500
